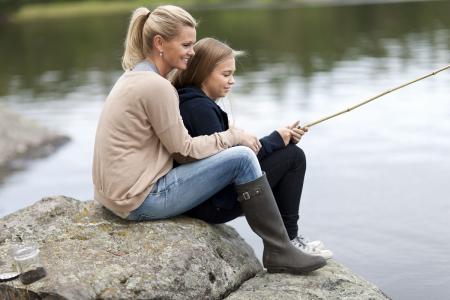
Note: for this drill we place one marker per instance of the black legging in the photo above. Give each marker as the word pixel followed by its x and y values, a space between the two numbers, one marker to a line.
pixel 285 171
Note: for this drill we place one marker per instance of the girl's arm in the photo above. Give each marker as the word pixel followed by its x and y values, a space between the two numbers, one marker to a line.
pixel 270 144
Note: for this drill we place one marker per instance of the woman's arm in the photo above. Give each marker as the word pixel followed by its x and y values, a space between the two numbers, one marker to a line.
pixel 202 118
pixel 165 118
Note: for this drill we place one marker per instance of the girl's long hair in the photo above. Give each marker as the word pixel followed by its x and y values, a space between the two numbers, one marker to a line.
pixel 208 53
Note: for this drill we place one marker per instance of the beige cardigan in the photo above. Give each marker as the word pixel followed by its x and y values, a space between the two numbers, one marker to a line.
pixel 139 131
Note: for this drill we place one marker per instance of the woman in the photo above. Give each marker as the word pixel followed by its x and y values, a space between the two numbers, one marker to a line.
pixel 209 77
pixel 140 132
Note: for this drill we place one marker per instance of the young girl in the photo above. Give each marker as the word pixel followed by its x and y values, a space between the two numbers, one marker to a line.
pixel 209 77
pixel 140 132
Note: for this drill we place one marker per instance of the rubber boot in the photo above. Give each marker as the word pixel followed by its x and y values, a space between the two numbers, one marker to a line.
pixel 263 216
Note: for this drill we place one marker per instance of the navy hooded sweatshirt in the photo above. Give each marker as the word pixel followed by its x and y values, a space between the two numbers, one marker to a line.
pixel 202 116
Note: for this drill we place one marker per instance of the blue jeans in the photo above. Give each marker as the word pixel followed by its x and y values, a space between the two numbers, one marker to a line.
pixel 188 185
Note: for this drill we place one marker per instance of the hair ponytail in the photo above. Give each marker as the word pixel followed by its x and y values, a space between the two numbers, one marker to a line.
pixel 165 21
pixel 134 42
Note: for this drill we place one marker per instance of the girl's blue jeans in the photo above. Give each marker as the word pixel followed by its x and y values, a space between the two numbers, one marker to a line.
pixel 188 185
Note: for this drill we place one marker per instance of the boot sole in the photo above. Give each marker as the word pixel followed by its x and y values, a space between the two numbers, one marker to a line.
pixel 291 270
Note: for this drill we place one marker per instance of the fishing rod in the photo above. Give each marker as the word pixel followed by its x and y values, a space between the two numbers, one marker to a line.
pixel 373 98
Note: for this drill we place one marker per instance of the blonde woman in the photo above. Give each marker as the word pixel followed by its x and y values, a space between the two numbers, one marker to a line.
pixel 209 77
pixel 140 132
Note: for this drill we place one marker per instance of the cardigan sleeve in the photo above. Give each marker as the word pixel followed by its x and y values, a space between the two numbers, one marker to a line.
pixel 207 121
pixel 168 125
pixel 204 119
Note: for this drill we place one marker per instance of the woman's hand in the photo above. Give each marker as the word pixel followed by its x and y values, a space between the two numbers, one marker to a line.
pixel 249 140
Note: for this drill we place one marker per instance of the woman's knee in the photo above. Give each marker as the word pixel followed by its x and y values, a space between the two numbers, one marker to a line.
pixel 246 154
pixel 249 163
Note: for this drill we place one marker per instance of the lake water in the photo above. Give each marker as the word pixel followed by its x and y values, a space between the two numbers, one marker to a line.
pixel 377 185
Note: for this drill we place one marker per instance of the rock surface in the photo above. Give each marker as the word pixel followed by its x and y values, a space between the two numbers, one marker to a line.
pixel 334 281
pixel 90 254
pixel 23 138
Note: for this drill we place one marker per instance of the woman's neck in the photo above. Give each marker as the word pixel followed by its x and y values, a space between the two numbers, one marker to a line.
pixel 159 64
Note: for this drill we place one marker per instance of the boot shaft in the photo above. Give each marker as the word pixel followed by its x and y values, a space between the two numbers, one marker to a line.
pixel 263 216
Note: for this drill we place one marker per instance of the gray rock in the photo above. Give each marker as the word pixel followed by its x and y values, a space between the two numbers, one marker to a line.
pixel 89 253
pixel 22 138
pixel 334 281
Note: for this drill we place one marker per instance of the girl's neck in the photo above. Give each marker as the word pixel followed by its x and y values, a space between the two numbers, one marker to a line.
pixel 206 93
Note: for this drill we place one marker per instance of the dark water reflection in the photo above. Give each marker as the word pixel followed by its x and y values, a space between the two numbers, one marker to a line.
pixel 309 39
pixel 377 185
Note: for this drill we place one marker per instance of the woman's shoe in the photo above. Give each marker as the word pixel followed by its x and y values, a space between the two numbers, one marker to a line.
pixel 263 216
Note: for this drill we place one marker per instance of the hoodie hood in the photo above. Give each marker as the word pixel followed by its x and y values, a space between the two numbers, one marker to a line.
pixel 197 111
pixel 190 93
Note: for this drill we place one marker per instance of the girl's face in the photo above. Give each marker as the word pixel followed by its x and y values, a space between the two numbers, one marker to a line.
pixel 180 49
pixel 220 81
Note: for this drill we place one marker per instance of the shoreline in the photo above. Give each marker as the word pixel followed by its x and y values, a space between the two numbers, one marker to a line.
pixel 39 11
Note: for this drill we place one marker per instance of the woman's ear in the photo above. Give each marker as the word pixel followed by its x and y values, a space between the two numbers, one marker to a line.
pixel 158 43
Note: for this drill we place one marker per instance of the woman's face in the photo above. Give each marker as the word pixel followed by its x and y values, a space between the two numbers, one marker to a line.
pixel 221 79
pixel 180 49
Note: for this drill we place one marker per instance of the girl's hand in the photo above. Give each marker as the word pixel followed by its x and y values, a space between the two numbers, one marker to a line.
pixel 297 132
pixel 286 134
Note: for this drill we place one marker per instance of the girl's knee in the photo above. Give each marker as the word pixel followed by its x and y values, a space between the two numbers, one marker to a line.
pixel 297 155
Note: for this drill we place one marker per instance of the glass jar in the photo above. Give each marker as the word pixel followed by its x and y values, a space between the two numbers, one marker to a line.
pixel 8 267
pixel 28 263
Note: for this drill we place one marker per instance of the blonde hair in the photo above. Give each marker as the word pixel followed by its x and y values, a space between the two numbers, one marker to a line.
pixel 165 20
pixel 209 52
